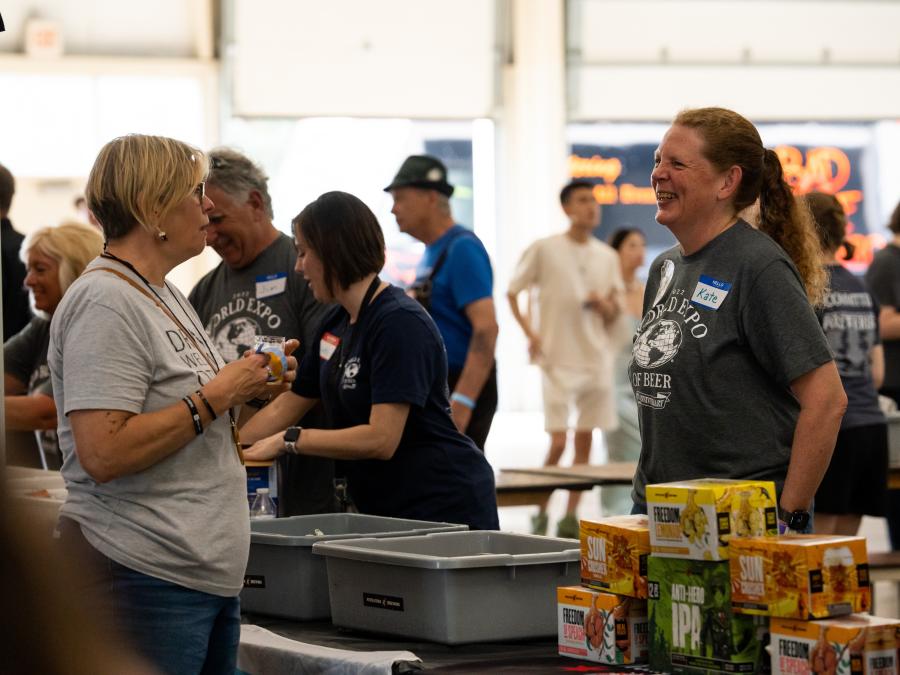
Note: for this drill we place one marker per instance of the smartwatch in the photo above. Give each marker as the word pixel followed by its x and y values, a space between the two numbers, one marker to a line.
pixel 796 521
pixel 291 437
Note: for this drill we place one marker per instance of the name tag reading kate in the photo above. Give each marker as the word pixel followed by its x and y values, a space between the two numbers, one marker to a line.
pixel 710 293
pixel 268 285
pixel 327 345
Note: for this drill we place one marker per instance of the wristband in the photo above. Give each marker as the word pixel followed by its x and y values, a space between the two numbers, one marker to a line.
pixel 212 412
pixel 462 398
pixel 195 415
pixel 258 403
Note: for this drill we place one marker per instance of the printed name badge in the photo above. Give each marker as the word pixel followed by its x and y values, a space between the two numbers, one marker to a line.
pixel 710 293
pixel 270 284
pixel 327 345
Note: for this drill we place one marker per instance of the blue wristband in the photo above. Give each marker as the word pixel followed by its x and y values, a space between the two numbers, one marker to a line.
pixel 462 398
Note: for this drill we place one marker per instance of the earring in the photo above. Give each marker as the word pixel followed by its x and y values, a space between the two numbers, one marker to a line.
pixel 162 236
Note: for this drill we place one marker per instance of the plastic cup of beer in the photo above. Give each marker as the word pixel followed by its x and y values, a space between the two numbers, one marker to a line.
pixel 273 347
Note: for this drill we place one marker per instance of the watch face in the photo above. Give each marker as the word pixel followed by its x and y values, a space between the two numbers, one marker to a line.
pixel 292 434
pixel 799 520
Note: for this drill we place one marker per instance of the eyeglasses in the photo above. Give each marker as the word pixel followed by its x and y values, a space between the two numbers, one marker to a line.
pixel 200 191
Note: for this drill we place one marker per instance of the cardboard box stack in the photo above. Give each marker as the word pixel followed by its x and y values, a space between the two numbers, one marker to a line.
pixel 722 585
pixel 605 619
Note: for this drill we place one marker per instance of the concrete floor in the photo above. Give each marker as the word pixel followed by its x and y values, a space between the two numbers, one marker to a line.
pixel 518 440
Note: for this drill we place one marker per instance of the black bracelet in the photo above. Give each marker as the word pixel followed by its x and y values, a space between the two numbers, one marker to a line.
pixel 212 412
pixel 195 415
pixel 258 403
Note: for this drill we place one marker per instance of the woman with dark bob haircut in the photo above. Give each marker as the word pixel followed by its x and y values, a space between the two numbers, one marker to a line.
pixel 380 369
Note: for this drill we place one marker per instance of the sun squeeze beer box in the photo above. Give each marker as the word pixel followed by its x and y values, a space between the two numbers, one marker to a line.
pixel 614 554
pixel 802 576
pixel 696 519
pixel 601 627
pixel 857 644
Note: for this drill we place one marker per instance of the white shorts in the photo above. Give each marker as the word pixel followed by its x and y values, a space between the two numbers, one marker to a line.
pixel 592 396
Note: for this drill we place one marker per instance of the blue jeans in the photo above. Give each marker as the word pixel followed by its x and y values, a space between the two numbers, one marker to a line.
pixel 178 630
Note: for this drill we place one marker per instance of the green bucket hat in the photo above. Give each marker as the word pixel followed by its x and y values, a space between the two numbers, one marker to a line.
pixel 422 171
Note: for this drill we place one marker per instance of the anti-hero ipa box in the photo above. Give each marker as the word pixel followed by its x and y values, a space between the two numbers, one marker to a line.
pixel 614 554
pixel 601 627
pixel 857 644
pixel 692 625
pixel 800 576
pixel 695 519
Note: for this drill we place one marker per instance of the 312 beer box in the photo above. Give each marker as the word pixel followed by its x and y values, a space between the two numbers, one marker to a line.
pixel 601 627
pixel 857 644
pixel 696 519
pixel 614 554
pixel 692 625
pixel 800 576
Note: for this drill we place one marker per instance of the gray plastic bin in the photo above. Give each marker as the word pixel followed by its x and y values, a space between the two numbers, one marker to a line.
pixel 454 587
pixel 283 577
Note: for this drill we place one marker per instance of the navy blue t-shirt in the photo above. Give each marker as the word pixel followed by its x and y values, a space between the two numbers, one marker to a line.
pixel 397 356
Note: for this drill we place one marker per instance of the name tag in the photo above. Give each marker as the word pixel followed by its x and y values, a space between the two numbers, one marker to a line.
pixel 271 284
pixel 710 293
pixel 327 345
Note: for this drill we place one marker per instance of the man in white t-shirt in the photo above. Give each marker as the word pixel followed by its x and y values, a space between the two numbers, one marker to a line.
pixel 578 288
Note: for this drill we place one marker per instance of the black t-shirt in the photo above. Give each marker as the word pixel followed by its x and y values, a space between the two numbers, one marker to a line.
pixel 16 313
pixel 883 280
pixel 849 318
pixel 397 356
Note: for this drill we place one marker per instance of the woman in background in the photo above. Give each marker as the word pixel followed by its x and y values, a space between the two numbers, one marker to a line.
pixel 54 257
pixel 624 443
pixel 855 483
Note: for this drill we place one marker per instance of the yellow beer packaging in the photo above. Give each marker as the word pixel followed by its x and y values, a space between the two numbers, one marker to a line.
pixel 857 644
pixel 601 627
pixel 696 519
pixel 614 554
pixel 800 576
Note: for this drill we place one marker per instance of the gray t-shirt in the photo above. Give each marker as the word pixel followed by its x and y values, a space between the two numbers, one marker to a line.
pixel 725 331
pixel 184 519
pixel 269 298
pixel 25 358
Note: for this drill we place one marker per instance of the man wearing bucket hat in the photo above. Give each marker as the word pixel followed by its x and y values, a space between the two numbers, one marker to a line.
pixel 454 282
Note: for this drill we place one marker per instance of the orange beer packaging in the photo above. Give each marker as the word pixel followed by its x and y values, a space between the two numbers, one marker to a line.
pixel 601 627
pixel 614 554
pixel 800 576
pixel 695 519
pixel 858 644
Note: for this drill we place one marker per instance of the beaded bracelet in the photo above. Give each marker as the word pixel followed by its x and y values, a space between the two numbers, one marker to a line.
pixel 195 415
pixel 205 402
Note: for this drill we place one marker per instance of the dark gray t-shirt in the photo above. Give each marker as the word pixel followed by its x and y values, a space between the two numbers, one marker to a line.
pixel 184 519
pixel 883 279
pixel 25 358
pixel 724 333
pixel 269 298
pixel 849 317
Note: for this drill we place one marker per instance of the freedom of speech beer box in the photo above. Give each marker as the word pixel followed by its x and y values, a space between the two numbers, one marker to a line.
pixel 695 519
pixel 800 576
pixel 857 644
pixel 601 627
pixel 692 625
pixel 614 554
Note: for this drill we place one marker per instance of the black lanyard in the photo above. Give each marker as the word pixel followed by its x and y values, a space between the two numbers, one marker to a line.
pixel 334 374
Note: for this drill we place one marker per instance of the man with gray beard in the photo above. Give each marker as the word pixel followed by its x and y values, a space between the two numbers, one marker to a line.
pixel 255 291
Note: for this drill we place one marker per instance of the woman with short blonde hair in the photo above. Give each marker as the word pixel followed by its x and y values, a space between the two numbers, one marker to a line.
pixel 53 257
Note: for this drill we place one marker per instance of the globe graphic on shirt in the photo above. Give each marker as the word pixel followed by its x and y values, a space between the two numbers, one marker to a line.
pixel 658 345
pixel 236 337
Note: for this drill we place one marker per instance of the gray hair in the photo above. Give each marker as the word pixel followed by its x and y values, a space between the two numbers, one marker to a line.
pixel 236 175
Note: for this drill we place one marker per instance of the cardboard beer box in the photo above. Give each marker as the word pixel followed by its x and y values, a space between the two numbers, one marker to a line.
pixel 857 644
pixel 800 576
pixel 695 519
pixel 692 626
pixel 601 627
pixel 614 554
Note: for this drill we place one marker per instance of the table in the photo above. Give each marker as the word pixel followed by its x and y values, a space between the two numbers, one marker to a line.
pixel 532 656
pixel 524 487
